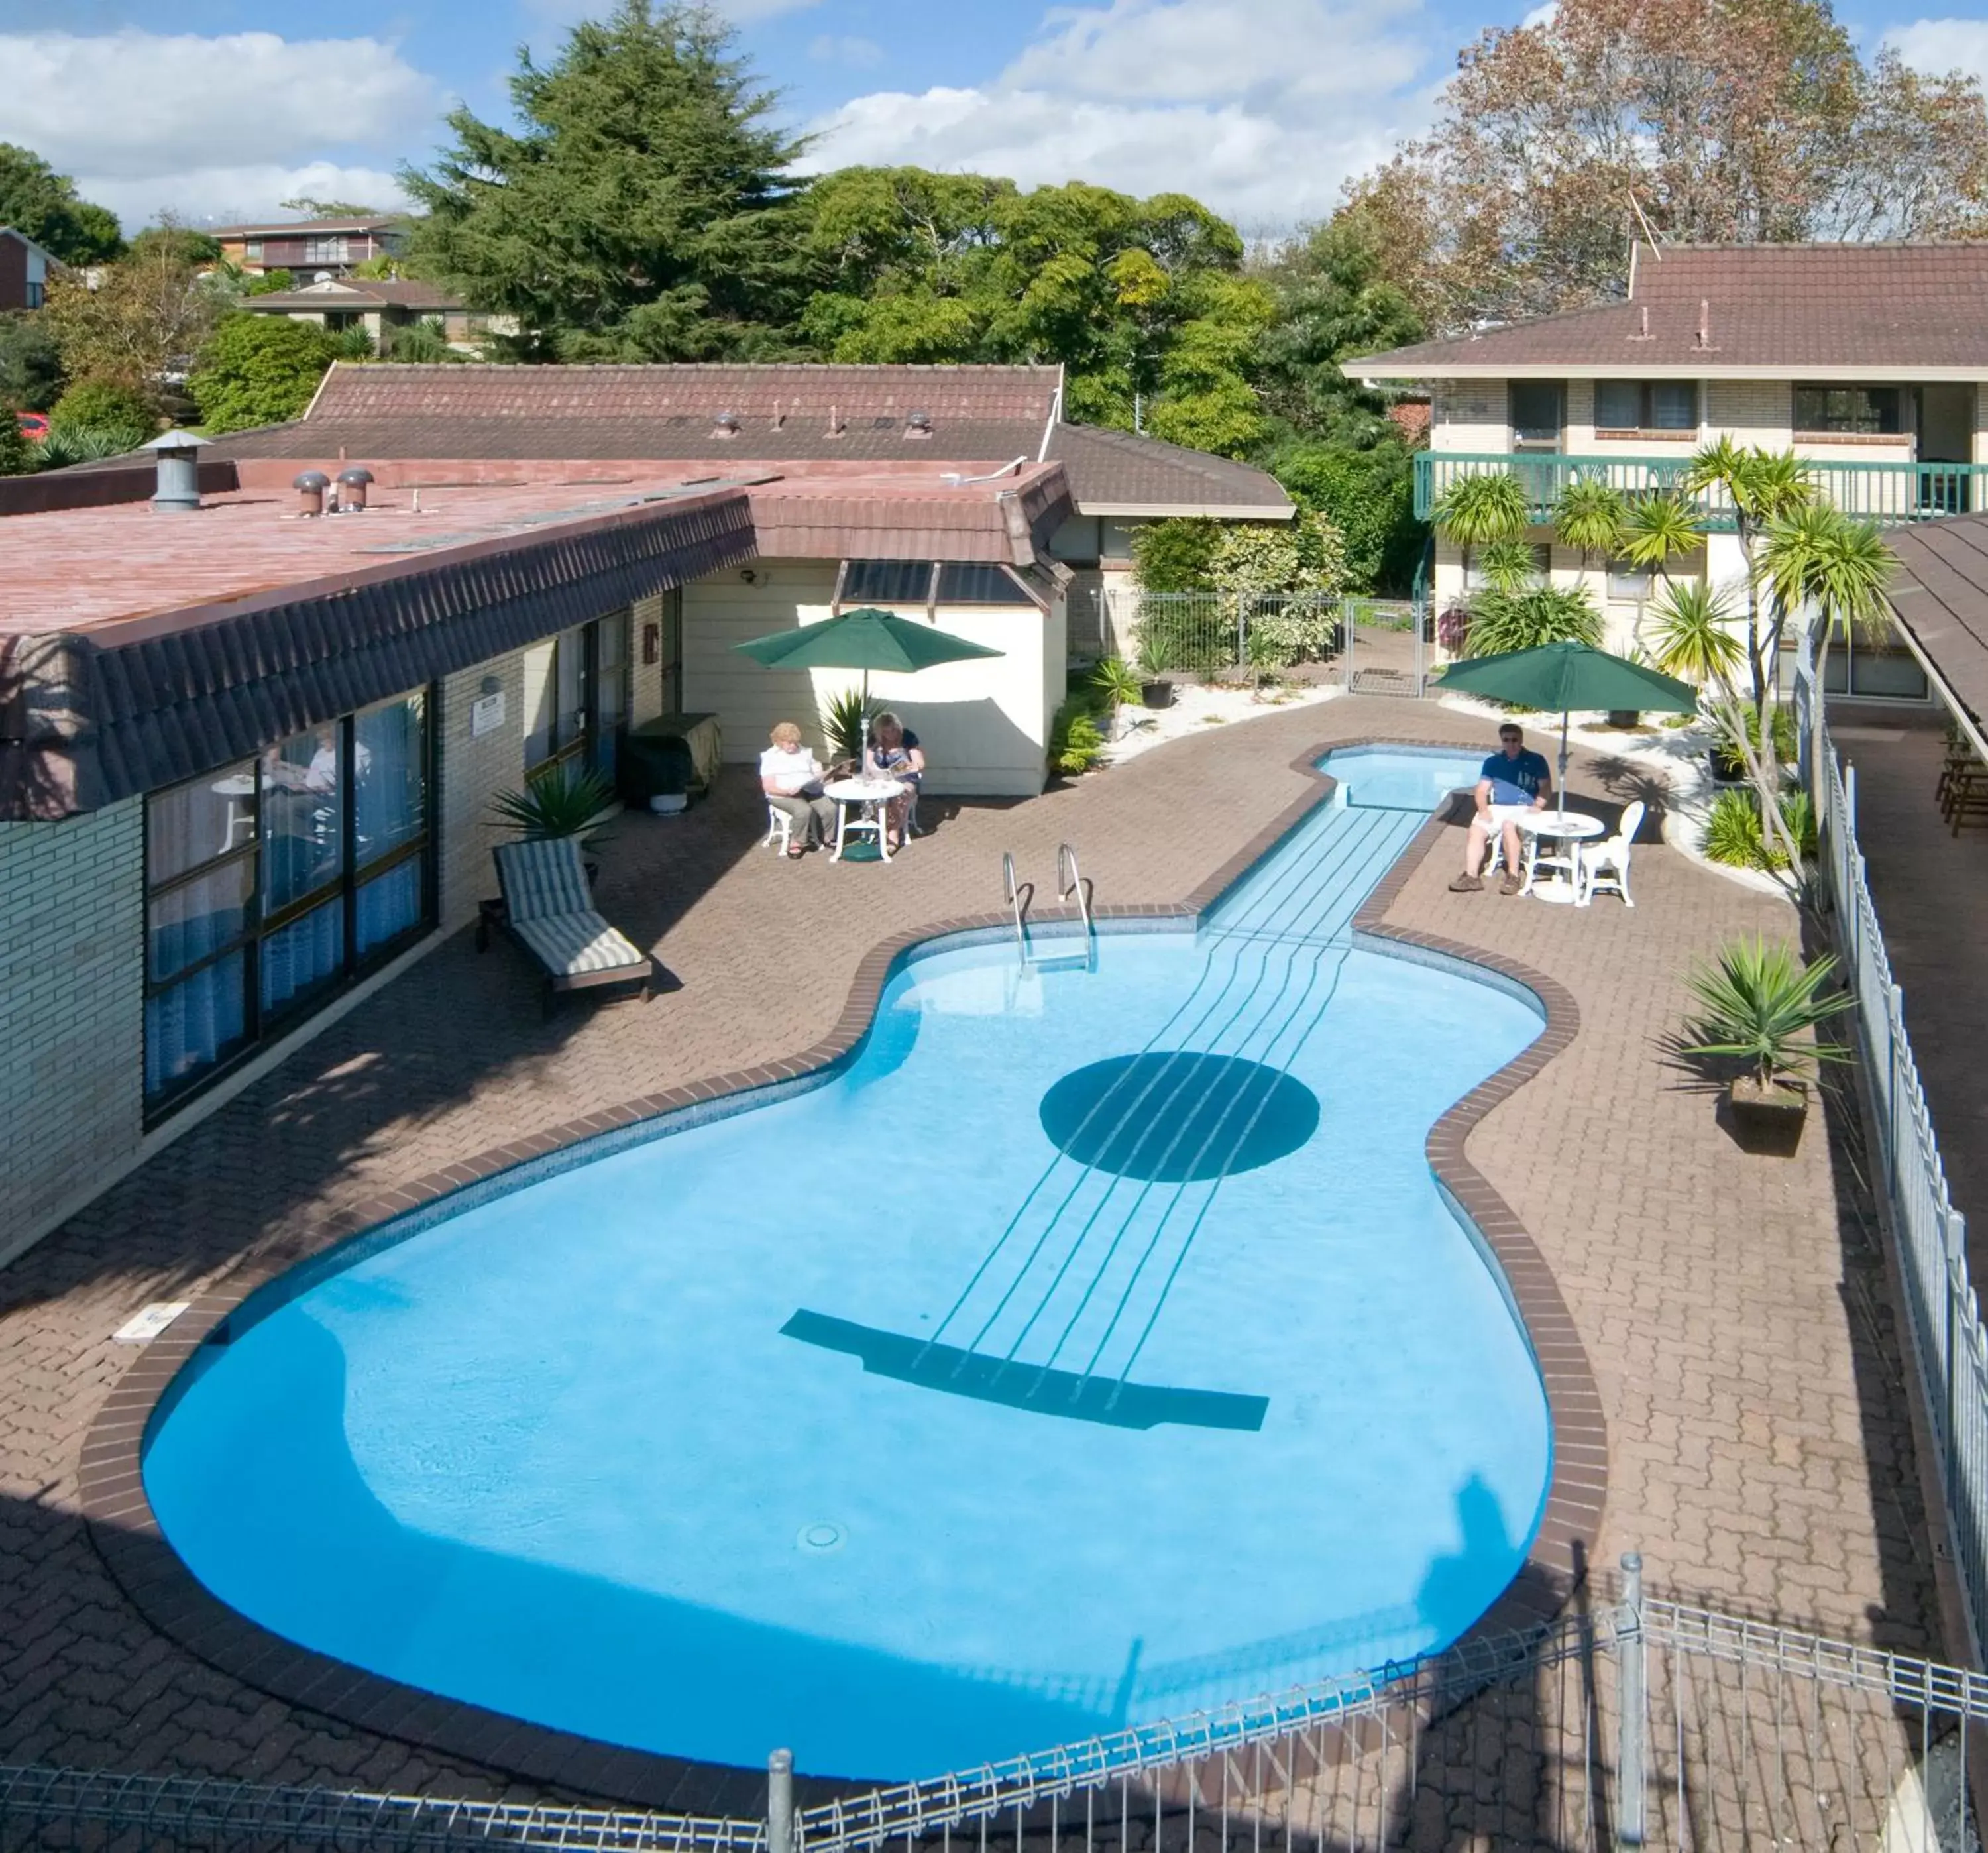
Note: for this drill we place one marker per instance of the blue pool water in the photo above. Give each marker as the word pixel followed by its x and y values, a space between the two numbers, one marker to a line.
pixel 1095 1348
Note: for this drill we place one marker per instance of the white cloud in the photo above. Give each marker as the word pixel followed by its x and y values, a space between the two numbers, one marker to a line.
pixel 1262 109
pixel 209 126
pixel 1939 46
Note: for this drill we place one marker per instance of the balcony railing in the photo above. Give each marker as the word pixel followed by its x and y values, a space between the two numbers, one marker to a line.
pixel 1888 493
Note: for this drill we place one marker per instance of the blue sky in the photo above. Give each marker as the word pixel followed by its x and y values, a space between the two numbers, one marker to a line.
pixel 1261 107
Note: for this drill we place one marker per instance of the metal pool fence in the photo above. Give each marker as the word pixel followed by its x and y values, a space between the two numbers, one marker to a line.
pixel 1949 1342
pixel 1636 1722
pixel 1376 644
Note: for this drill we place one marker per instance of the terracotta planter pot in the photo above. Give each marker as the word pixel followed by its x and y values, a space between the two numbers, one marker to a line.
pixel 1767 1120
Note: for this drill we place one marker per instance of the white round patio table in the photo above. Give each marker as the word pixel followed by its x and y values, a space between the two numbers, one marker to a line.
pixel 866 797
pixel 1572 827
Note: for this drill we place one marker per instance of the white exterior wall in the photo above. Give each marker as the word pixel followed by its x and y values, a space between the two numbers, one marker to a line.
pixel 984 724
pixel 472 771
pixel 1469 415
pixel 72 1012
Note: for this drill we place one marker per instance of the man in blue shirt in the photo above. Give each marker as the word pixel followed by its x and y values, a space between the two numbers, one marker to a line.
pixel 1512 781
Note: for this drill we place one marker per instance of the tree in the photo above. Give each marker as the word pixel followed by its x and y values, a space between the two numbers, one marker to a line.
pixel 1143 301
pixel 1722 121
pixel 1657 529
pixel 1482 506
pixel 259 369
pixel 312 208
pixel 36 200
pixel 1333 298
pixel 31 369
pixel 641 209
pixel 1761 487
pixel 148 316
pixel 1369 494
pixel 18 456
pixel 1588 516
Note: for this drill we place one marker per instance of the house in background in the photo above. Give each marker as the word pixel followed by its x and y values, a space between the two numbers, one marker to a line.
pixel 789 419
pixel 1868 360
pixel 336 245
pixel 379 308
pixel 24 269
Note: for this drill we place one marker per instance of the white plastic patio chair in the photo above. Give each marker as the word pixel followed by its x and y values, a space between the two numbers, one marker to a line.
pixel 779 829
pixel 1605 864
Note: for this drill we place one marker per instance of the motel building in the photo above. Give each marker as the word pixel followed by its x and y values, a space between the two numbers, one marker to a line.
pixel 248 749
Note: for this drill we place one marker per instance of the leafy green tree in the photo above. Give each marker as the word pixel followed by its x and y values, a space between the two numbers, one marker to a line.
pixel 639 210
pixel 106 407
pixel 31 368
pixel 1175 555
pixel 1369 494
pixel 1333 299
pixel 18 455
pixel 36 199
pixel 1143 301
pixel 259 369
pixel 312 208
pixel 147 315
pixel 271 282
pixel 1481 507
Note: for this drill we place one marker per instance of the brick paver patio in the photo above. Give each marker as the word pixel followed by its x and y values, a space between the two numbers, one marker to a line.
pixel 1734 1308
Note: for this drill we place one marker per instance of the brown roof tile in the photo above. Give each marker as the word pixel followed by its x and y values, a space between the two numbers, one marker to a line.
pixel 1797 308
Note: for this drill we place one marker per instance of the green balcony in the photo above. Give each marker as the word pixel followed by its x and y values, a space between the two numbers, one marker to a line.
pixel 1888 493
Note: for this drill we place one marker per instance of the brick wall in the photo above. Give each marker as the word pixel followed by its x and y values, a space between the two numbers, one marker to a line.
pixel 1753 411
pixel 71 1011
pixel 473 771
pixel 1469 415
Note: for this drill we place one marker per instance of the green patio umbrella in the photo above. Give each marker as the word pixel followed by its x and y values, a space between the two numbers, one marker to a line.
pixel 1567 676
pixel 864 639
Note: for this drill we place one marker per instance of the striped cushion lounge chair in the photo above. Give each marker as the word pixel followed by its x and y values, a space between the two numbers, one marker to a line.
pixel 549 910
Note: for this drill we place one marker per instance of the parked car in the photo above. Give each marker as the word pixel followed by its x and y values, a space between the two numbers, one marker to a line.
pixel 35 424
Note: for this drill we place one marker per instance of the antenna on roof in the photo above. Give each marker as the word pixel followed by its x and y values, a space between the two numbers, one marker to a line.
pixel 1650 237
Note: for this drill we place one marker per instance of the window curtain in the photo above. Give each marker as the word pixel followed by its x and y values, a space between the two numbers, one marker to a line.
pixel 303 807
pixel 389 905
pixel 197 1024
pixel 297 959
pixel 390 778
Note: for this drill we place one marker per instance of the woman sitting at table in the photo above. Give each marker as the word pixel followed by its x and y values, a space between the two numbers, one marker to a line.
pixel 893 752
pixel 790 776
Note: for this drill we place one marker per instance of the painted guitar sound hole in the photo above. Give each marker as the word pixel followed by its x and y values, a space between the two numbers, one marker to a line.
pixel 1178 1115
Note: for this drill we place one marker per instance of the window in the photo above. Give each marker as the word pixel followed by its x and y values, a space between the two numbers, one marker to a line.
pixel 886 582
pixel 274 882
pixel 1855 410
pixel 1876 666
pixel 1628 583
pixel 36 294
pixel 969 583
pixel 327 250
pixel 1646 405
pixel 576 696
pixel 1536 414
pixel 252 251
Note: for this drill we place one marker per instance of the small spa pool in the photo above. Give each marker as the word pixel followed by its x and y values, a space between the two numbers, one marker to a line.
pixel 1095 1346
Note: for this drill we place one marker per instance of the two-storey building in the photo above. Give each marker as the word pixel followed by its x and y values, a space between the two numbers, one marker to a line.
pixel 1869 360
pixel 309 246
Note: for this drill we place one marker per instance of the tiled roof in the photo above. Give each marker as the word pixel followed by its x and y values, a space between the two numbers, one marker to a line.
pixel 1118 470
pixel 980 418
pixel 1713 310
pixel 1940 594
pixel 775 398
pixel 304 227
pixel 394 292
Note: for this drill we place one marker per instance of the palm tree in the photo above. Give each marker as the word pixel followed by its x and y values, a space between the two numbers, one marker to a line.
pixel 1482 507
pixel 1817 559
pixel 1588 517
pixel 1692 641
pixel 1656 530
pixel 1507 564
pixel 1760 486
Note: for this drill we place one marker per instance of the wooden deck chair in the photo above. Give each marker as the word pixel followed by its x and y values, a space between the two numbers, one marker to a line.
pixel 549 910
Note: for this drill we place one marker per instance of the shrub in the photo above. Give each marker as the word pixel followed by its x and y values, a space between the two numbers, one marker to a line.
pixel 568 801
pixel 67 444
pixel 1369 496
pixel 31 368
pixel 1755 1001
pixel 1117 683
pixel 1504 621
pixel 1075 741
pixel 259 369
pixel 18 452
pixel 1733 832
pixel 108 406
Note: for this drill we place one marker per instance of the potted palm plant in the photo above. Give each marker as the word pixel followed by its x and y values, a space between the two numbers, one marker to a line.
pixel 568 801
pixel 845 726
pixel 1759 1005
pixel 1156 663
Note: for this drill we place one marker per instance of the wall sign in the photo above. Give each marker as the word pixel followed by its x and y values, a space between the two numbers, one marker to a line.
pixel 486 715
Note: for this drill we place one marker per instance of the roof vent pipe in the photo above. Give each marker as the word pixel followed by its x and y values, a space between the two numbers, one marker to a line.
pixel 352 489
pixel 178 456
pixel 918 425
pixel 1704 323
pixel 726 425
pixel 310 487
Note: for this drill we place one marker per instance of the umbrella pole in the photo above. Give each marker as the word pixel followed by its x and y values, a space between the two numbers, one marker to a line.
pixel 1560 790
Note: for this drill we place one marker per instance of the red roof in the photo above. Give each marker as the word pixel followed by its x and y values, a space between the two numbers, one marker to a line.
pixel 1718 310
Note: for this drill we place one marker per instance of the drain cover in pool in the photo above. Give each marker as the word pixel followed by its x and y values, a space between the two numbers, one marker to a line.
pixel 1177 1116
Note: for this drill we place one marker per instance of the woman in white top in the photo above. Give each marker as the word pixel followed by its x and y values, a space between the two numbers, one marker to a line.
pixel 790 776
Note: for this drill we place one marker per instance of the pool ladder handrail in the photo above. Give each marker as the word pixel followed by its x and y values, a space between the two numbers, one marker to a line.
pixel 1017 895
pixel 1069 882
